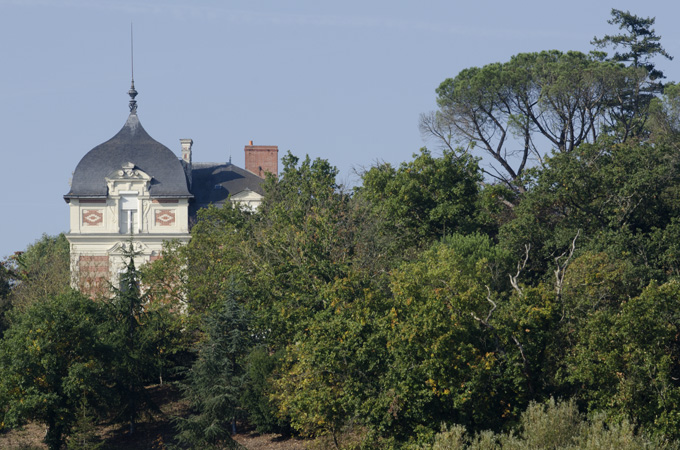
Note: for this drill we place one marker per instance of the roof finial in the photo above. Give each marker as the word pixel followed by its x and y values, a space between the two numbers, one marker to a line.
pixel 132 92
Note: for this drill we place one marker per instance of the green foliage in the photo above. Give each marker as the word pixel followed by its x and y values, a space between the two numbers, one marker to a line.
pixel 261 411
pixel 550 425
pixel 450 438
pixel 67 358
pixel 5 279
pixel 626 360
pixel 639 44
pixel 425 308
pixel 554 425
pixel 40 272
pixel 84 434
pixel 213 259
pixel 510 110
pixel 215 382
pixel 302 240
pixel 594 283
pixel 610 192
pixel 302 186
pixel 165 280
pixel 425 198
pixel 52 360
pixel 664 120
pixel 445 358
pixel 5 303
pixel 330 377
pixel 559 97
pixel 141 338
pixel 131 368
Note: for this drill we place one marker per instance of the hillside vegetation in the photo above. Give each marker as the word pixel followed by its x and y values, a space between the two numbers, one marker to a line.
pixel 529 299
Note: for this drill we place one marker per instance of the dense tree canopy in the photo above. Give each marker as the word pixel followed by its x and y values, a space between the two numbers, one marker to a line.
pixel 428 196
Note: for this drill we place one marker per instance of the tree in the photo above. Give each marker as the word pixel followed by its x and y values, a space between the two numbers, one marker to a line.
pixel 256 399
pixel 215 382
pixel 141 337
pixel 279 259
pixel 302 240
pixel 52 360
pixel 165 280
pixel 330 381
pixel 456 352
pixel 626 362
pixel 556 425
pixel 214 260
pixel 41 271
pixel 508 109
pixel 5 280
pixel 639 46
pixel 664 123
pixel 425 198
pixel 5 304
pixel 614 195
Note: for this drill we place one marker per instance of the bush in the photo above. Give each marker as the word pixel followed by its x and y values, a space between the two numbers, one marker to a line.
pixel 554 425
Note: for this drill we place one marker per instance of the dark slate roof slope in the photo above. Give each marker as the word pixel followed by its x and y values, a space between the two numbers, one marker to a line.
pixel 213 183
pixel 131 144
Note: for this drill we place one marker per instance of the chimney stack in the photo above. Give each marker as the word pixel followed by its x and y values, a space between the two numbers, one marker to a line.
pixel 186 149
pixel 261 159
pixel 186 158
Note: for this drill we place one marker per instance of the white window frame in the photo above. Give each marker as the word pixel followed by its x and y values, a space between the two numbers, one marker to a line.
pixel 130 212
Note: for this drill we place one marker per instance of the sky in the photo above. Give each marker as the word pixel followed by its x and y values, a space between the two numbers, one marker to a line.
pixel 344 81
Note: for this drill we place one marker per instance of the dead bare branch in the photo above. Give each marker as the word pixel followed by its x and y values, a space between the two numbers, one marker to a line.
pixel 561 267
pixel 520 266
pixel 485 322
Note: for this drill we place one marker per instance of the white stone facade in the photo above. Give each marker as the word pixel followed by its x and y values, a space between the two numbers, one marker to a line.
pixel 100 227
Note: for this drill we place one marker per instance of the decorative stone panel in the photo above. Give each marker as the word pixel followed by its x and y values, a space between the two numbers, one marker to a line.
pixel 93 274
pixel 90 263
pixel 93 217
pixel 165 217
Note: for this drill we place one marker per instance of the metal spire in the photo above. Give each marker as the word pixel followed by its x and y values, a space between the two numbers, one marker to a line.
pixel 132 92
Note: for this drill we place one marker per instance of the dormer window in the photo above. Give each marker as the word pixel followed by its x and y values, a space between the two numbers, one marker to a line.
pixel 129 214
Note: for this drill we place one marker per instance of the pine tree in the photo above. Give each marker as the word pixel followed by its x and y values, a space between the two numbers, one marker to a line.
pixel 216 380
pixel 639 45
pixel 132 364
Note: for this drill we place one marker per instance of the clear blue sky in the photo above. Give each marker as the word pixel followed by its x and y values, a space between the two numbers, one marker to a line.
pixel 345 81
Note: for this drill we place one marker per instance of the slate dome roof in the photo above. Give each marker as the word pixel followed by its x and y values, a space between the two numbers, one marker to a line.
pixel 131 144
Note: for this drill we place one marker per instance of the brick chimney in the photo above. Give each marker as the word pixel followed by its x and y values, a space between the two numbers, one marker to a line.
pixel 261 159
